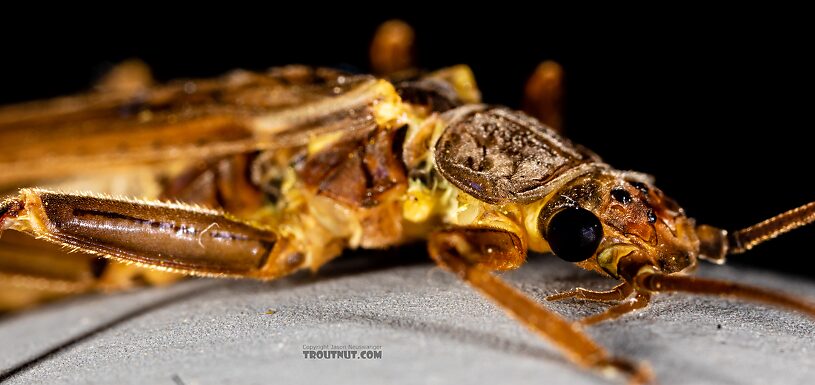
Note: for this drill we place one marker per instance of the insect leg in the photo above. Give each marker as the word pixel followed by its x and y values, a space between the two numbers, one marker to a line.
pixel 472 253
pixel 31 273
pixel 657 282
pixel 20 291
pixel 543 94
pixel 617 293
pixel 129 76
pixel 171 237
pixel 648 282
pixel 639 301
pixel 392 48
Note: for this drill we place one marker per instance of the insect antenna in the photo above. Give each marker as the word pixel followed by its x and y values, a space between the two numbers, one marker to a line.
pixel 657 282
pixel 745 239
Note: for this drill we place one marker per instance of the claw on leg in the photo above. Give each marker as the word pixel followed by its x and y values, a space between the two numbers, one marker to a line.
pixel 617 293
pixel 638 302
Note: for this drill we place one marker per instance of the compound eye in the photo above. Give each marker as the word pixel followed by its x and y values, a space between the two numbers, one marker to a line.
pixel 573 234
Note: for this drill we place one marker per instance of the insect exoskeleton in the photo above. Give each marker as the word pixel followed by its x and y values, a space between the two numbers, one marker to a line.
pixel 516 174
pixel 615 224
pixel 271 173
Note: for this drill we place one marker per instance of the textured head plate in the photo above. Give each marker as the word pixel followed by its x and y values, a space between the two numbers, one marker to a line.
pixel 499 155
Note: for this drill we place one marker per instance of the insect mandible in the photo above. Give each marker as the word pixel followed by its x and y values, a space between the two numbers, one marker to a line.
pixel 272 173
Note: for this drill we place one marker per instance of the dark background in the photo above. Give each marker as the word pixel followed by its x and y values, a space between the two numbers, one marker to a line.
pixel 717 106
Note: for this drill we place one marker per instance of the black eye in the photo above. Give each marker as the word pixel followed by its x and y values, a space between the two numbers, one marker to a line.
pixel 574 234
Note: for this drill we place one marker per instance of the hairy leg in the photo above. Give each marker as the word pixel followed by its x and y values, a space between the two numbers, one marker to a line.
pixel 472 253
pixel 617 293
pixel 639 301
pixel 171 237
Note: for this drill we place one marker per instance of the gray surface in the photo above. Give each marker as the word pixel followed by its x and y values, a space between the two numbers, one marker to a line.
pixel 432 330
